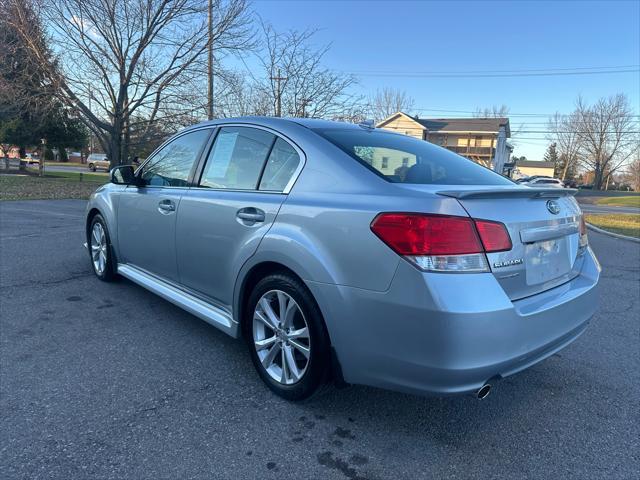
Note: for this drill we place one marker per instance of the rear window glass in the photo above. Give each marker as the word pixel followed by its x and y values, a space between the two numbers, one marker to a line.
pixel 403 159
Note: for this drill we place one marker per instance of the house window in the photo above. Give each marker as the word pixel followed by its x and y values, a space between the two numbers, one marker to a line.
pixel 405 161
pixel 385 162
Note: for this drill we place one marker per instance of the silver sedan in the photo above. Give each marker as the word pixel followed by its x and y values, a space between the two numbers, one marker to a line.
pixel 344 253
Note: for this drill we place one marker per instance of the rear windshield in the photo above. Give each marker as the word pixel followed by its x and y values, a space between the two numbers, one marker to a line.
pixel 403 159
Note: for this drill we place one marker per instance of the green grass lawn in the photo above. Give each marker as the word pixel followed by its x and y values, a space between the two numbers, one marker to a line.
pixel 79 176
pixel 27 187
pixel 630 201
pixel 65 164
pixel 624 224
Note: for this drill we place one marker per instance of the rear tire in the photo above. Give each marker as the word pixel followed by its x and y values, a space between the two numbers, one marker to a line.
pixel 100 250
pixel 290 349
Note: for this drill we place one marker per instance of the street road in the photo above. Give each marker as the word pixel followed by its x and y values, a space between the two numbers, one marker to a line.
pixel 69 168
pixel 105 380
pixel 591 208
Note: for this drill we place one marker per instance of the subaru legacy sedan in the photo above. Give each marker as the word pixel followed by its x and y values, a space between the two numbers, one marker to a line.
pixel 347 254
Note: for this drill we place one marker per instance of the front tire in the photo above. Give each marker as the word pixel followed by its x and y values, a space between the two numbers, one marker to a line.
pixel 287 337
pixel 100 251
pixel 92 167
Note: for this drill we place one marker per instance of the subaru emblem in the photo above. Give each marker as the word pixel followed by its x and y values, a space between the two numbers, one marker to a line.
pixel 553 207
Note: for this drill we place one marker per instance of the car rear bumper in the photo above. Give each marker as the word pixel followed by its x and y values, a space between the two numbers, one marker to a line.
pixel 450 333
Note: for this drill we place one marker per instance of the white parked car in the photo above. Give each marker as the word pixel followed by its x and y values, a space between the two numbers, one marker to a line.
pixel 544 182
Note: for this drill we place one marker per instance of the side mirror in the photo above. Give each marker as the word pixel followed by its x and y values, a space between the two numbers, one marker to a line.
pixel 123 175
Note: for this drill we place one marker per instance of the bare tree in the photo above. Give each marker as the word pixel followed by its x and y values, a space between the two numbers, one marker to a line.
pixel 632 174
pixel 387 101
pixel 297 80
pixel 492 112
pixel 564 132
pixel 607 134
pixel 120 59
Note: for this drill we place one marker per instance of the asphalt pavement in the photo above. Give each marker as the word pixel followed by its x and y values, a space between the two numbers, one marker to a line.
pixel 105 380
pixel 69 168
pixel 591 208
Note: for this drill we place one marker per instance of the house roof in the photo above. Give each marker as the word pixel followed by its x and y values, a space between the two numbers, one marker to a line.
pixel 488 125
pixel 534 163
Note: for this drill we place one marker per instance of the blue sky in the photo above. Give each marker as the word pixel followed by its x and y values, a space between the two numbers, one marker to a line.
pixel 427 36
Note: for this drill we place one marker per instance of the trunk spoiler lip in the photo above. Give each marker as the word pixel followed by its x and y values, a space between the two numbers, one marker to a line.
pixel 524 192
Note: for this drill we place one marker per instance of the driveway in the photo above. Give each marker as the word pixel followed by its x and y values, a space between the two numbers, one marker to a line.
pixel 109 381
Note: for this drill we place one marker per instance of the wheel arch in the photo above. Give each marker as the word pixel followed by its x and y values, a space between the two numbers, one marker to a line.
pixel 250 277
pixel 90 214
pixel 103 202
pixel 252 274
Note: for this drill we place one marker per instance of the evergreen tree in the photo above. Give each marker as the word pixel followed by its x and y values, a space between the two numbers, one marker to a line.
pixel 29 108
pixel 551 155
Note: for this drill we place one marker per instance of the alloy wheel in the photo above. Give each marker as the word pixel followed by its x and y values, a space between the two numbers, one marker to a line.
pixel 98 248
pixel 281 337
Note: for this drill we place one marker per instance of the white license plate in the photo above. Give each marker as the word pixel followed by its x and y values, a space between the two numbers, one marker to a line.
pixel 547 260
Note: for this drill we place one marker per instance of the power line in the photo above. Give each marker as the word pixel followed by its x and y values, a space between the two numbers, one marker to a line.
pixel 522 70
pixel 475 113
pixel 492 75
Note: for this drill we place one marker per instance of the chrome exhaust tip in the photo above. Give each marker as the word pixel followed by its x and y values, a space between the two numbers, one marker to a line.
pixel 484 391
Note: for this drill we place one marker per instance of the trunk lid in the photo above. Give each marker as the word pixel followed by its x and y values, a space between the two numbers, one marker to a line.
pixel 544 226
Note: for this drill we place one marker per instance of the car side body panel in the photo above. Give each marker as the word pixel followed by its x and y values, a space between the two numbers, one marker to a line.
pixel 212 243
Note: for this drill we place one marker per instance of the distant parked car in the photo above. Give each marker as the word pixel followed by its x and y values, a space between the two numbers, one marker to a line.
pixel 524 180
pixel 544 182
pixel 570 183
pixel 30 159
pixel 97 161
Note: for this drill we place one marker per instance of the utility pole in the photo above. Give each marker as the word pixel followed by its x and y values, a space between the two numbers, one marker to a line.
pixel 303 103
pixel 278 78
pixel 210 66
pixel 43 141
pixel 91 134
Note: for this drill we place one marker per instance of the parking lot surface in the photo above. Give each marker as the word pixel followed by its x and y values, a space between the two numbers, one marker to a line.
pixel 109 381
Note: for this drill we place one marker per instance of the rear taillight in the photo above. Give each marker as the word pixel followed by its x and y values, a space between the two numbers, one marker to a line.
pixel 494 236
pixel 584 240
pixel 442 243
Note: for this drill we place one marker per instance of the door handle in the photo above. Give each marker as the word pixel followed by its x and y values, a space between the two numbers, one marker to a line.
pixel 166 206
pixel 251 214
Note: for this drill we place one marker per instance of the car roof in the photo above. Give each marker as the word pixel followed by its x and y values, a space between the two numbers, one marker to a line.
pixel 275 122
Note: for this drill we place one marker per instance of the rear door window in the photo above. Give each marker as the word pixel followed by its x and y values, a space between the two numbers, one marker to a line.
pixel 403 159
pixel 281 165
pixel 237 158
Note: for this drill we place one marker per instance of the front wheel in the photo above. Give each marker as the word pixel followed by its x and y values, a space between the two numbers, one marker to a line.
pixel 287 338
pixel 92 167
pixel 100 249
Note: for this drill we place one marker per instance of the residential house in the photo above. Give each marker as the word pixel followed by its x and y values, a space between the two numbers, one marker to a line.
pixel 528 168
pixel 478 139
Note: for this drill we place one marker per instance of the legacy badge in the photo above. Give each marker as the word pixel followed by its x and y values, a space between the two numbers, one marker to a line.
pixel 508 263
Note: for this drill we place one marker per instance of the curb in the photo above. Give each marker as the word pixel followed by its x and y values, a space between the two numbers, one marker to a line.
pixel 611 234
